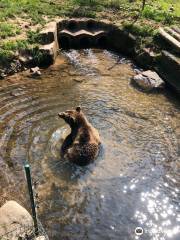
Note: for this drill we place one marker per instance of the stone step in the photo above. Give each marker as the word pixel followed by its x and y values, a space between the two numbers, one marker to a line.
pixel 81 33
pixel 177 29
pixel 169 69
pixel 173 33
pixel 170 39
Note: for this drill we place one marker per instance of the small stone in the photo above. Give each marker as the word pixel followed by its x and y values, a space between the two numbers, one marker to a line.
pixel 35 69
pixel 35 72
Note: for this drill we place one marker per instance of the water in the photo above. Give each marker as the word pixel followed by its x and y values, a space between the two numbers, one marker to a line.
pixel 135 180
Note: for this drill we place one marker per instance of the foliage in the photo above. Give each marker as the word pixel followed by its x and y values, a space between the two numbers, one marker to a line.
pixel 8 48
pixel 8 30
pixel 5 56
pixel 33 36
pixel 138 30
pixel 14 45
pixel 158 15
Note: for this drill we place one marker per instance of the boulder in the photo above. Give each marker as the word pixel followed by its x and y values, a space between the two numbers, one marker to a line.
pixel 14 220
pixel 148 80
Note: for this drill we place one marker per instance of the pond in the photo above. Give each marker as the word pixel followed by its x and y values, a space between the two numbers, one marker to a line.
pixel 135 180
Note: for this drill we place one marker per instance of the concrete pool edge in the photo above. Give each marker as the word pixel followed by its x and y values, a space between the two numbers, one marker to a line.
pixel 105 34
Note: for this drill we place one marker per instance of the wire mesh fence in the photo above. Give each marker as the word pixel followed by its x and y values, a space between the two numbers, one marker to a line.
pixel 24 232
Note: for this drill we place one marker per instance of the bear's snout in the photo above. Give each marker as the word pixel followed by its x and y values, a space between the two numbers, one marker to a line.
pixel 61 114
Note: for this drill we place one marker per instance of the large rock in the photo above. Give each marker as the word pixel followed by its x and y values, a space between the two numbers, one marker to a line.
pixel 15 221
pixel 148 80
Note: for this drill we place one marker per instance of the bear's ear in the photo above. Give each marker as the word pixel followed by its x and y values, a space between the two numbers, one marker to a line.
pixel 78 109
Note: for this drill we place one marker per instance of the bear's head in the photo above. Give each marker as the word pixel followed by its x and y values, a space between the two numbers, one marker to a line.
pixel 73 117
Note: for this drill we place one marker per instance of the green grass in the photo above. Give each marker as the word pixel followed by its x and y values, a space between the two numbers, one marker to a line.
pixel 14 45
pixel 159 14
pixel 33 9
pixel 5 56
pixel 37 9
pixel 8 48
pixel 141 31
pixel 8 30
pixel 166 4
pixel 33 36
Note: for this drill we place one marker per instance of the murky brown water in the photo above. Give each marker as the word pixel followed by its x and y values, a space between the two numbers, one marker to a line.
pixel 135 180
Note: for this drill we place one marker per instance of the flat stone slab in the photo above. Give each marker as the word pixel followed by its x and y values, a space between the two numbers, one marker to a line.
pixel 14 220
pixel 148 80
pixel 172 36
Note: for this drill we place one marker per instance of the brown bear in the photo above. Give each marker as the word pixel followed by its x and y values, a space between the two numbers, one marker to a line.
pixel 82 145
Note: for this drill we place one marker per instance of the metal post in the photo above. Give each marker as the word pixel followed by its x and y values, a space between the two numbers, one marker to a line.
pixel 33 208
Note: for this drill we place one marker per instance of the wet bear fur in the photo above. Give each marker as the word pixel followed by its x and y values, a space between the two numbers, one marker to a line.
pixel 82 145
